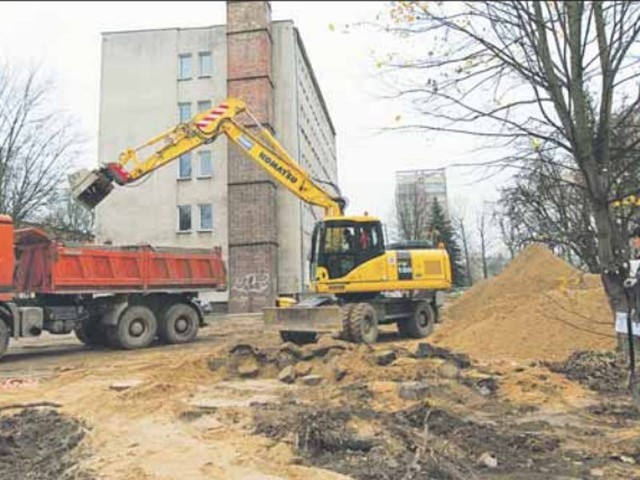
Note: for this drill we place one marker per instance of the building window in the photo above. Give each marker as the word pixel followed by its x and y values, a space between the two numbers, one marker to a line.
pixel 184 218
pixel 184 110
pixel 184 67
pixel 206 217
pixel 204 105
pixel 206 166
pixel 205 64
pixel 184 166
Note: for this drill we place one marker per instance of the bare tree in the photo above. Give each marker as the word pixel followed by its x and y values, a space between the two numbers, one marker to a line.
pixel 37 144
pixel 459 222
pixel 535 78
pixel 411 211
pixel 541 207
pixel 509 231
pixel 483 236
pixel 70 217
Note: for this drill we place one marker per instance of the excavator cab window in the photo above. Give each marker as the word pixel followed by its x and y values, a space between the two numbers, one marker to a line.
pixel 341 246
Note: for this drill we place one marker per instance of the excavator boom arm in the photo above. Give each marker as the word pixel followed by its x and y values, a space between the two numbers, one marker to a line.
pixel 92 187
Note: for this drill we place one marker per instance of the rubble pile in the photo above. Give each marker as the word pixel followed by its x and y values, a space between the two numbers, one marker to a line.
pixel 41 444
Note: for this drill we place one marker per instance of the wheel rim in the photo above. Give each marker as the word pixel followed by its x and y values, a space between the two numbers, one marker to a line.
pixel 182 325
pixel 137 328
pixel 423 320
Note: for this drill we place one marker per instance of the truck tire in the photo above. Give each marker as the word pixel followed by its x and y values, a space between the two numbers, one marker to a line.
pixel 363 324
pixel 178 324
pixel 137 327
pixel 4 337
pixel 91 333
pixel 299 338
pixel 420 324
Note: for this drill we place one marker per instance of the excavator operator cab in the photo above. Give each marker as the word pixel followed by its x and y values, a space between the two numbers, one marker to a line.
pixel 340 245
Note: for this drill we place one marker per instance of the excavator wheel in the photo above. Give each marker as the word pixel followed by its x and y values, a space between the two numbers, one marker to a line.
pixel 420 324
pixel 345 314
pixel 363 324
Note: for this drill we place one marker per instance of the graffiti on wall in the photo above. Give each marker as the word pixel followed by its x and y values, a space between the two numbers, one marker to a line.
pixel 252 283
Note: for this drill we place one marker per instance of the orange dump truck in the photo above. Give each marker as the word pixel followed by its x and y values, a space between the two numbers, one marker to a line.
pixel 122 297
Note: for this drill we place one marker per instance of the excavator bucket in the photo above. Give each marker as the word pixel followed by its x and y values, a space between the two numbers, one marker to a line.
pixel 90 187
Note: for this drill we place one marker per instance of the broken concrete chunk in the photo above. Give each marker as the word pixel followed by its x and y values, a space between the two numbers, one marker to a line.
pixel 248 370
pixel 385 357
pixel 311 380
pixel 426 350
pixel 449 370
pixel 489 460
pixel 303 369
pixel 124 385
pixel 243 350
pixel 287 375
pixel 487 386
pixel 292 349
pixel 327 344
pixel 412 390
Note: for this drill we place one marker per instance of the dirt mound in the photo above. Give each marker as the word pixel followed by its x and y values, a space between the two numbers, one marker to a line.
pixel 41 445
pixel 539 307
pixel 600 371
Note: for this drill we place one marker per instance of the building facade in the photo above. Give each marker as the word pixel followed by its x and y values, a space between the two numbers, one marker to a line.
pixel 215 196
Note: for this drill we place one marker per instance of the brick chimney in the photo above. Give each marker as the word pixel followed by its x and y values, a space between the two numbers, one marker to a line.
pixel 253 236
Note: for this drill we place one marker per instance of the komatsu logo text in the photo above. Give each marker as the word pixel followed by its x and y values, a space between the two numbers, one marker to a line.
pixel 285 172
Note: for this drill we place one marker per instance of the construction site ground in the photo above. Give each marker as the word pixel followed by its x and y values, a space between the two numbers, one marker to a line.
pixel 216 409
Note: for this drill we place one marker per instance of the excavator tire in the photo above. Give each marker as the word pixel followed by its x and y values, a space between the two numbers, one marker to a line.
pixel 345 314
pixel 420 324
pixel 363 324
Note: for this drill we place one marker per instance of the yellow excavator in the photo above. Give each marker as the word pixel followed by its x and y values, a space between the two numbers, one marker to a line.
pixel 357 283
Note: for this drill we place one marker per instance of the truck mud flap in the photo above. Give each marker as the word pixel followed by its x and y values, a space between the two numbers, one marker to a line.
pixel 312 319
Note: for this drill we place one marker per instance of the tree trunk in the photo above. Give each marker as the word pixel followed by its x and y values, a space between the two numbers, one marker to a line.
pixel 614 270
pixel 466 254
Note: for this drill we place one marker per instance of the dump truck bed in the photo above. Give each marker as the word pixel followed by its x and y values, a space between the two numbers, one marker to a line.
pixel 46 266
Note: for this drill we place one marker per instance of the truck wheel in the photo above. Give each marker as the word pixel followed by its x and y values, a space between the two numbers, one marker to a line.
pixel 91 333
pixel 4 337
pixel 363 323
pixel 299 338
pixel 421 324
pixel 179 324
pixel 136 328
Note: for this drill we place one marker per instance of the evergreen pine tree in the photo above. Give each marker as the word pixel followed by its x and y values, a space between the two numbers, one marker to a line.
pixel 442 231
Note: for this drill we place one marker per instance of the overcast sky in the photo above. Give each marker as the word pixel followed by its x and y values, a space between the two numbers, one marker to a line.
pixel 65 38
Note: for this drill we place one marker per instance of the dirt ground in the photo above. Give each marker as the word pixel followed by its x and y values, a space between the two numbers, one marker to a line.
pixel 216 409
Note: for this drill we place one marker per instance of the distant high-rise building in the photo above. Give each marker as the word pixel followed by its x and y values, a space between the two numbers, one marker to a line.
pixel 416 191
pixel 215 195
pixel 432 182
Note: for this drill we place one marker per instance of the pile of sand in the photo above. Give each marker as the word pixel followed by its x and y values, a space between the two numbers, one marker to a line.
pixel 539 307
